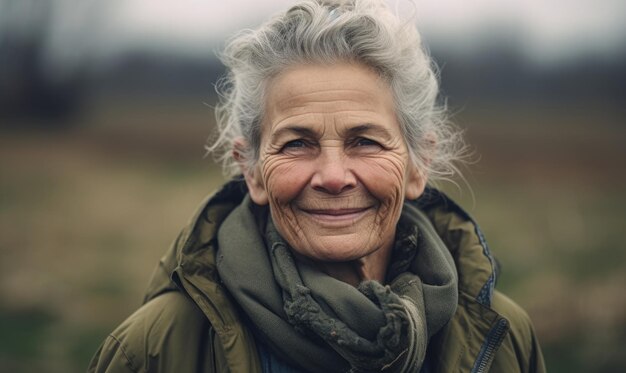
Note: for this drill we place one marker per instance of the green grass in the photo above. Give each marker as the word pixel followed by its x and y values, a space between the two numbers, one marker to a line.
pixel 22 332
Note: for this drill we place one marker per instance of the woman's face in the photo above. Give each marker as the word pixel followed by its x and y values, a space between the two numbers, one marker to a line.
pixel 333 165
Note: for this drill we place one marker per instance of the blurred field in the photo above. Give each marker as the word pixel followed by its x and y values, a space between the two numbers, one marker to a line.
pixel 85 215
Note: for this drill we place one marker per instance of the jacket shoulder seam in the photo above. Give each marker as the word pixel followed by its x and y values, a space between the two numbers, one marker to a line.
pixel 124 352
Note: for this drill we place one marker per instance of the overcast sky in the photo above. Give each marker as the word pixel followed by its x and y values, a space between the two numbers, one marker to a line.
pixel 547 30
pixel 547 24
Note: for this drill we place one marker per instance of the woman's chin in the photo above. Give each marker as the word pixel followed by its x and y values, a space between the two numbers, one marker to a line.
pixel 335 250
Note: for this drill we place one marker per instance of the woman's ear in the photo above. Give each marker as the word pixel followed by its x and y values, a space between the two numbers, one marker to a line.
pixel 251 174
pixel 415 182
pixel 416 177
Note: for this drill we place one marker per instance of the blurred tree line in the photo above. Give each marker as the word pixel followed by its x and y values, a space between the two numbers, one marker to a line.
pixel 48 71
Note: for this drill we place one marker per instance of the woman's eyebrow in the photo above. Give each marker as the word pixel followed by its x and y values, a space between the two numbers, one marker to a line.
pixel 369 128
pixel 293 129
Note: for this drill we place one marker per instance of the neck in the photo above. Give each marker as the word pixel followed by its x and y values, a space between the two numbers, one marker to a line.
pixel 370 267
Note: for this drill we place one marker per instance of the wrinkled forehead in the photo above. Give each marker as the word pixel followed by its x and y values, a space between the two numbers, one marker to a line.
pixel 327 89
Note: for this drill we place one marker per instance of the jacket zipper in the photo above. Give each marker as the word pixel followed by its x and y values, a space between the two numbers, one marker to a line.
pixel 494 338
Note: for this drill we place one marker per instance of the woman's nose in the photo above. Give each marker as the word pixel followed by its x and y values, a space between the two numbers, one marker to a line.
pixel 332 173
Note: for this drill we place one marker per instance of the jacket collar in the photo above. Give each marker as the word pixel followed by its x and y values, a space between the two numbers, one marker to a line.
pixel 189 266
pixel 469 342
pixel 466 242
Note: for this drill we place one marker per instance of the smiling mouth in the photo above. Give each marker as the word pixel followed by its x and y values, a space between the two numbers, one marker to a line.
pixel 340 216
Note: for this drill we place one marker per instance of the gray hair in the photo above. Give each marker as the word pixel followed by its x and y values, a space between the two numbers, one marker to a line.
pixel 318 31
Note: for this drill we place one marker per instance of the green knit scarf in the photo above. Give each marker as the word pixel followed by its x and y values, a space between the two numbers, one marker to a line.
pixel 318 323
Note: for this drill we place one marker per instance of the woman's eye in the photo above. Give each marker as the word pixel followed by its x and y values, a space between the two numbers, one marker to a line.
pixel 366 142
pixel 295 144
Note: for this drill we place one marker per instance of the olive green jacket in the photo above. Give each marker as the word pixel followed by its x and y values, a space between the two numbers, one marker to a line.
pixel 190 323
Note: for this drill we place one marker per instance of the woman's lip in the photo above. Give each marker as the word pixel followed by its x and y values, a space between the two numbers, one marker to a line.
pixel 337 216
pixel 335 212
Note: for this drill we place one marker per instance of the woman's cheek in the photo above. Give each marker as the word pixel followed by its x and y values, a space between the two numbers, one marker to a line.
pixel 284 179
pixel 384 178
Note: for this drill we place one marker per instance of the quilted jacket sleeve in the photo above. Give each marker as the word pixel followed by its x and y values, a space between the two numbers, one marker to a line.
pixel 167 334
pixel 110 357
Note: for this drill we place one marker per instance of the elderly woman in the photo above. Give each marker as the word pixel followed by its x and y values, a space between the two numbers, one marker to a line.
pixel 330 254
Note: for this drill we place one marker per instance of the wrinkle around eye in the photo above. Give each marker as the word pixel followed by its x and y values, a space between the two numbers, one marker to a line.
pixel 388 164
pixel 365 146
pixel 272 163
pixel 298 147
